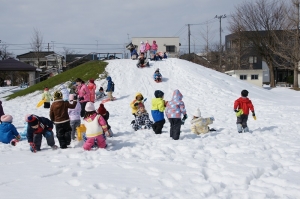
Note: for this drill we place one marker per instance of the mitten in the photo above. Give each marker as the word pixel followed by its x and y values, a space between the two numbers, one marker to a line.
pixel 185 117
pixel 32 147
pixel 136 104
pixel 253 114
pixel 235 110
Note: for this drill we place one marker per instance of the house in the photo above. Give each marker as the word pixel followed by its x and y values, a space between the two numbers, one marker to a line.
pixel 170 45
pixel 242 55
pixel 17 72
pixel 252 76
pixel 44 59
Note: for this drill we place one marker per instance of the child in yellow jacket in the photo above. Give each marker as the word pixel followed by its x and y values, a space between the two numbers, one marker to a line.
pixel 135 103
pixel 200 124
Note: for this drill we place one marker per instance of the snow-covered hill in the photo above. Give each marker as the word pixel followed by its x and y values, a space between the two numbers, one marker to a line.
pixel 264 163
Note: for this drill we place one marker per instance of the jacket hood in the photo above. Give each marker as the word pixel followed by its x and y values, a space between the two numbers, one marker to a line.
pixel 196 120
pixel 177 96
pixel 244 99
pixel 138 93
pixel 108 78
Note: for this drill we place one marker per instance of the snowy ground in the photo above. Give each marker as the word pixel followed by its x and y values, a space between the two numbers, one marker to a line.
pixel 264 163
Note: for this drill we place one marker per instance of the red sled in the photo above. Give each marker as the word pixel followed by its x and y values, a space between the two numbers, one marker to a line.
pixel 106 100
pixel 158 80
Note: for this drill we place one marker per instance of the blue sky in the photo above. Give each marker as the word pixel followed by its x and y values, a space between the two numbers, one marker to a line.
pixel 70 22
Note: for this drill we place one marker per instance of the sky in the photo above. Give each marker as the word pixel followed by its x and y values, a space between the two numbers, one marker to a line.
pixel 112 22
pixel 264 163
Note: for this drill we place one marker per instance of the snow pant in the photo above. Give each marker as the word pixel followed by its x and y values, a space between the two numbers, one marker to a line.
pixel 74 124
pixel 175 128
pixel 110 96
pixel 46 104
pixel 63 134
pixel 139 124
pixel 37 139
pixel 157 126
pixel 82 112
pixel 89 143
pixel 241 123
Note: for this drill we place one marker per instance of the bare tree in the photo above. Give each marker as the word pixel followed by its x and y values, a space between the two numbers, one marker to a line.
pixel 259 20
pixel 37 44
pixel 4 53
pixel 207 36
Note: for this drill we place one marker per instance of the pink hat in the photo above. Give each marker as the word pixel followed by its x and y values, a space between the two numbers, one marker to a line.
pixel 26 117
pixel 6 118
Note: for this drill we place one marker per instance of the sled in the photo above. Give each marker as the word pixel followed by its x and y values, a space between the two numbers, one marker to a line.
pixel 158 80
pixel 40 103
pixel 106 100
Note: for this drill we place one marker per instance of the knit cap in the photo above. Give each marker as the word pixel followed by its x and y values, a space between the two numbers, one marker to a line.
pixel 6 118
pixel 141 105
pixel 89 107
pixel 32 120
pixel 158 94
pixel 101 88
pixel 197 113
pixel 102 110
pixel 57 95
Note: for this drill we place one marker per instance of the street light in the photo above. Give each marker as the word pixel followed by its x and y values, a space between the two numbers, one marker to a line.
pixel 220 49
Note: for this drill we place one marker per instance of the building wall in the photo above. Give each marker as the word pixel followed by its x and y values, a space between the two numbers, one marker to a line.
pixel 31 78
pixel 257 82
pixel 161 42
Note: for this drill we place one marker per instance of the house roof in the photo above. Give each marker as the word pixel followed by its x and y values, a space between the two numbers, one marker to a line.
pixel 33 54
pixel 14 65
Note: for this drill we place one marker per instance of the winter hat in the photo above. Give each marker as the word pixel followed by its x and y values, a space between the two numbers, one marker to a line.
pixel 142 42
pixel 157 70
pixel 244 93
pixel 57 95
pixel 197 113
pixel 89 107
pixel 32 120
pixel 71 97
pixel 158 94
pixel 101 109
pixel 141 105
pixel 101 89
pixel 46 89
pixel 6 118
pixel 92 81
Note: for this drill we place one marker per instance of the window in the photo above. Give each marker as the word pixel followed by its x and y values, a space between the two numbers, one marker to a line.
pixel 243 77
pixel 228 44
pixel 254 77
pixel 170 49
pixel 252 60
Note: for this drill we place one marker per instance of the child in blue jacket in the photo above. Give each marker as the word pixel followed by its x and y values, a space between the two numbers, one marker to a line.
pixel 157 76
pixel 110 88
pixel 8 132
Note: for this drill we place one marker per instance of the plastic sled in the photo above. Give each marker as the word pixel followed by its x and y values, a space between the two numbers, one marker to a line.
pixel 106 100
pixel 158 80
pixel 40 103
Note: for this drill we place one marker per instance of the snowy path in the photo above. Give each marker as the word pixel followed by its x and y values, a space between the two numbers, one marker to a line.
pixel 224 164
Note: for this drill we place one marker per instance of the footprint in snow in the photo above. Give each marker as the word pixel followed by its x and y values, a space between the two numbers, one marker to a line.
pixel 100 186
pixel 74 183
pixel 77 174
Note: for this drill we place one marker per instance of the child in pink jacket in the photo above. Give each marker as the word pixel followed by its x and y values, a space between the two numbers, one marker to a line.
pixel 96 128
pixel 83 94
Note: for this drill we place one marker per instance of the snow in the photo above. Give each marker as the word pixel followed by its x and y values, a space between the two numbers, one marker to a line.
pixel 264 163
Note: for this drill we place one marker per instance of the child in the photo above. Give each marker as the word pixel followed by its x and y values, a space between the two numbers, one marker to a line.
pixel 242 105
pixel 134 54
pixel 36 129
pixel 1 110
pixel 8 132
pixel 165 55
pixel 60 117
pixel 142 61
pixel 65 92
pixel 110 88
pixel 142 47
pixel 157 76
pixel 174 109
pixel 83 94
pixel 157 111
pixel 200 125
pixel 142 119
pixel 100 93
pixel 74 115
pixel 95 128
pixel 105 114
pixel 154 47
pixel 92 88
pixel 47 97
pixel 134 104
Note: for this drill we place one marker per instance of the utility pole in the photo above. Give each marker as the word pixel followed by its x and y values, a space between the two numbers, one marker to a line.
pixel 189 38
pixel 48 47
pixel 220 48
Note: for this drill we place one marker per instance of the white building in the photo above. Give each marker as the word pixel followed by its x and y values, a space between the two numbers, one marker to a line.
pixel 165 44
pixel 252 76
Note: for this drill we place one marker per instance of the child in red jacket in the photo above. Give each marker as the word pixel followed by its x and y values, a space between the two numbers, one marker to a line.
pixel 241 107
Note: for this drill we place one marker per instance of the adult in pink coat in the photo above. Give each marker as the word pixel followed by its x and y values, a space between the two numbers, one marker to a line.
pixel 83 94
pixel 92 88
